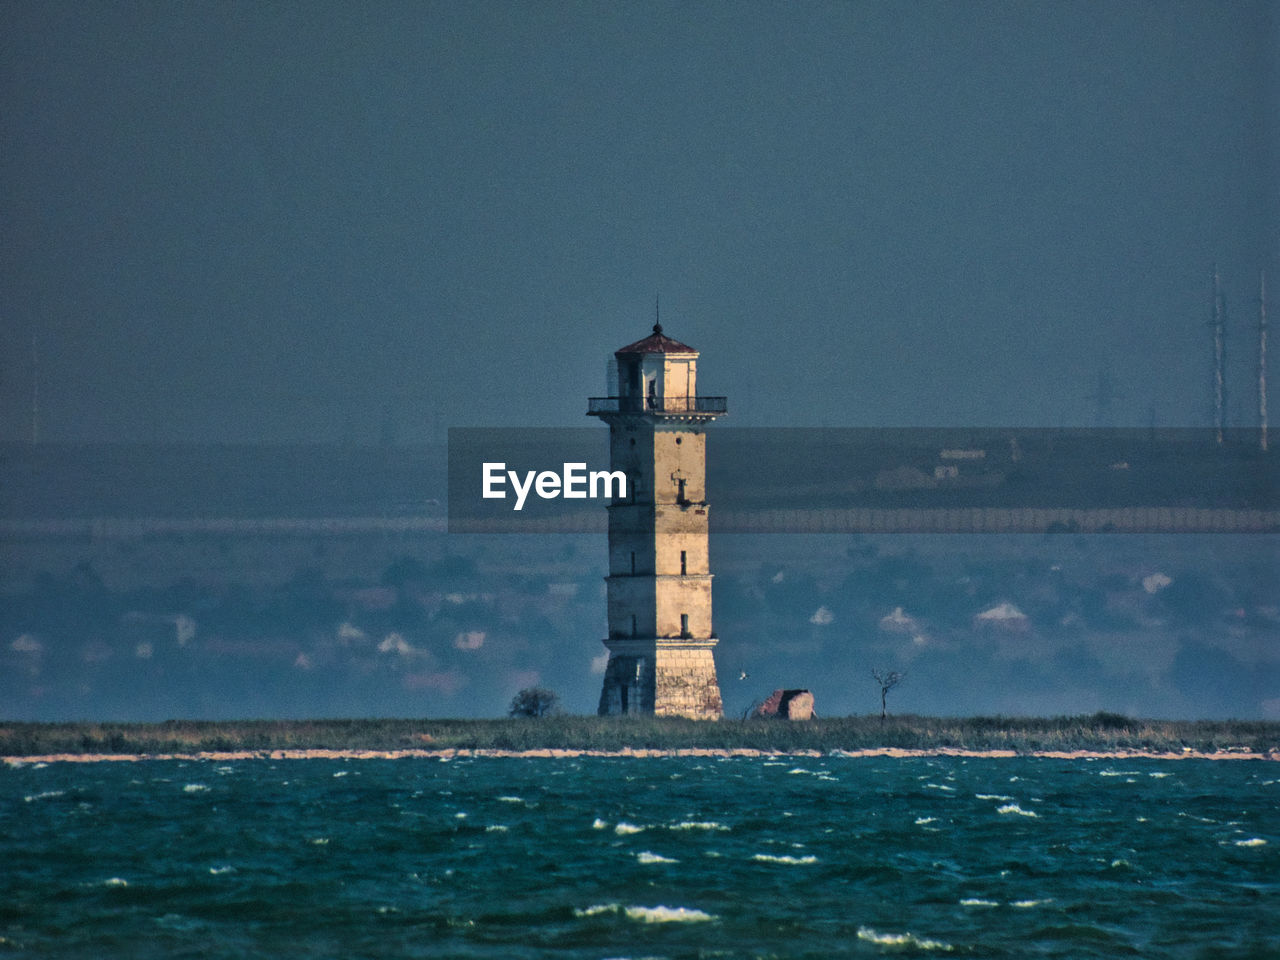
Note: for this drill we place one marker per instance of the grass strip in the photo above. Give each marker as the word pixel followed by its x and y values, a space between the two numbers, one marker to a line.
pixel 1101 732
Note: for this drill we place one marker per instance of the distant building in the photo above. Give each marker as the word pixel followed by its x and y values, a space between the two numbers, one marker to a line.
pixel 659 585
pixel 791 704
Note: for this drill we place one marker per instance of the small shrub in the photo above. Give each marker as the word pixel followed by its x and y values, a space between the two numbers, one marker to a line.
pixel 534 702
pixel 1103 720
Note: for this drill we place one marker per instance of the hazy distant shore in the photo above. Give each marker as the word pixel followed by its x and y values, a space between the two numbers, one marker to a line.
pixel 554 753
pixel 1100 735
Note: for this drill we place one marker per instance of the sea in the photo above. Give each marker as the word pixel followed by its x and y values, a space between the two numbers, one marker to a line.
pixel 626 857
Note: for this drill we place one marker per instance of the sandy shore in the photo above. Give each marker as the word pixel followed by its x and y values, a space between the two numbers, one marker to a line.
pixel 452 754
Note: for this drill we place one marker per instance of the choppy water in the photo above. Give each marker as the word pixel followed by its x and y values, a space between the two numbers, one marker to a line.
pixel 623 857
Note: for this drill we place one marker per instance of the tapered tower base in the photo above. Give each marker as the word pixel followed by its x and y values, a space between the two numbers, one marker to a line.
pixel 665 678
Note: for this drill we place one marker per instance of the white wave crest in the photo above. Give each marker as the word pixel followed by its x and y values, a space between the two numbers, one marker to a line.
pixel 1027 904
pixel 599 824
pixel 646 857
pixel 661 914
pixel 1014 808
pixel 976 902
pixel 994 796
pixel 1251 842
pixel 115 882
pixel 511 799
pixel 194 788
pixel 697 825
pixel 785 858
pixel 658 914
pixel 921 821
pixel 44 795
pixel 902 940
pixel 1192 816
pixel 625 829
pixel 495 828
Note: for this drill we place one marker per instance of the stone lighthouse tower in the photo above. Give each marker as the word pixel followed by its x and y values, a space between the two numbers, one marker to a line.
pixel 659 585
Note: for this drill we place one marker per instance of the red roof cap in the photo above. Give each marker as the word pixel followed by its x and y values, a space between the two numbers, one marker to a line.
pixel 657 342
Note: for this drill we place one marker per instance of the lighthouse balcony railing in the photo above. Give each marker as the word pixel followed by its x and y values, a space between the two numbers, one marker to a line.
pixel 657 405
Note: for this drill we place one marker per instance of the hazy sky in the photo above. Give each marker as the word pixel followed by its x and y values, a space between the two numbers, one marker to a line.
pixel 338 221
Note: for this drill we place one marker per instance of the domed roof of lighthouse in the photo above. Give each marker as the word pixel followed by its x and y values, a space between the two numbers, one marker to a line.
pixel 657 342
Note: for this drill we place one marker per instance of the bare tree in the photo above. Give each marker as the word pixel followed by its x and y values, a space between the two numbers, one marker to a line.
pixel 888 679
pixel 534 702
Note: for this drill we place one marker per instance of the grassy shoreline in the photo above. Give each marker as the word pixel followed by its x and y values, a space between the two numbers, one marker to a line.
pixel 1101 733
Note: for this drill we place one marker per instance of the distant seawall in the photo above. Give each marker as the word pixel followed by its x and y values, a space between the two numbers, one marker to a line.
pixel 760 480
pixel 985 520
pixel 132 528
pixel 1005 520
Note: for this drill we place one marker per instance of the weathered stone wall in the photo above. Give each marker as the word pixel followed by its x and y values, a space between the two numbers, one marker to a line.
pixel 679 377
pixel 628 685
pixel 631 600
pixel 690 596
pixel 669 546
pixel 685 683
pixel 791 704
pixel 654 676
pixel 679 452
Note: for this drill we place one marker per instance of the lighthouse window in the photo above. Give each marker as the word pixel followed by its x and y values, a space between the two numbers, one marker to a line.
pixel 683 561
pixel 633 624
pixel 678 441
pixel 684 624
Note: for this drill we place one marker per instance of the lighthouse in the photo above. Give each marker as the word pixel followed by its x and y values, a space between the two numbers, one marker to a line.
pixel 659 585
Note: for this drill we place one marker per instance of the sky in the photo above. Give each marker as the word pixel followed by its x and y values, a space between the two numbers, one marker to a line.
pixel 360 223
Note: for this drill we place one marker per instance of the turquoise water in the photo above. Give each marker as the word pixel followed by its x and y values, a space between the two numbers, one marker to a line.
pixel 626 857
